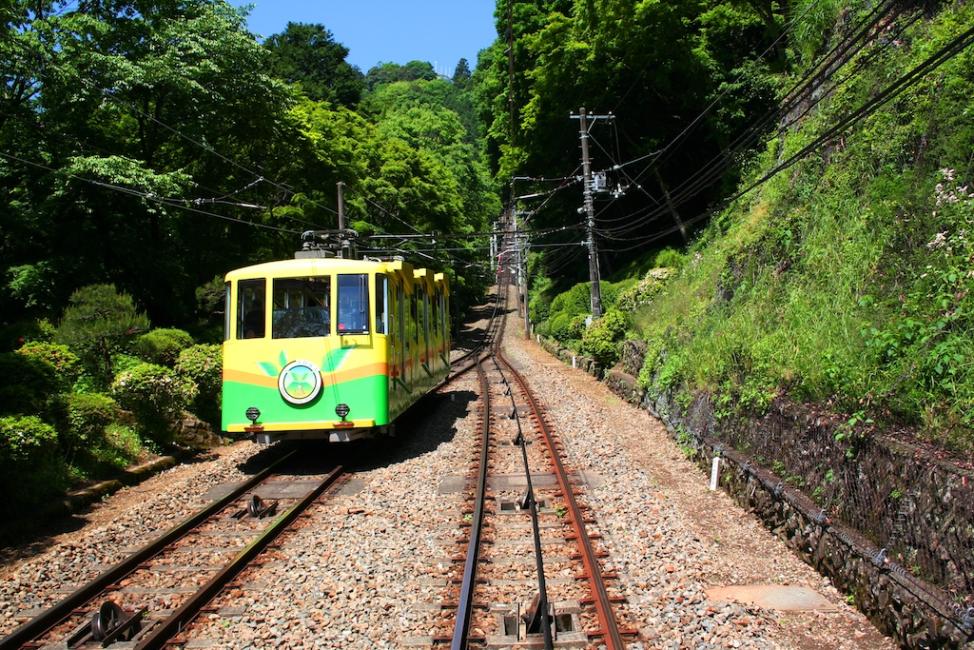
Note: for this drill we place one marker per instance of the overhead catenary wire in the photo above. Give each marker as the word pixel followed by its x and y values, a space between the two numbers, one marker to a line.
pixel 797 90
pixel 169 202
pixel 954 47
pixel 696 120
pixel 106 92
pixel 714 169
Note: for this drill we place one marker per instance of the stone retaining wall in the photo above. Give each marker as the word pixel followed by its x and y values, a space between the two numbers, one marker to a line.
pixel 931 514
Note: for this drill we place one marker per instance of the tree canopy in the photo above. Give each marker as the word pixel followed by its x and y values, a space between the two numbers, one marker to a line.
pixel 155 145
pixel 307 54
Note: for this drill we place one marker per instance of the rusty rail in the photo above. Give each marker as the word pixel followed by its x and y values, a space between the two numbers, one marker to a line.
pixel 178 620
pixel 40 625
pixel 469 583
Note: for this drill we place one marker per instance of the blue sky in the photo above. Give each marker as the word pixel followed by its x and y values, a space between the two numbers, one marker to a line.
pixel 438 31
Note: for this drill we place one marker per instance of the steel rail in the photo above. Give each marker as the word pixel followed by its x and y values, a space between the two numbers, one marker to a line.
pixel 178 620
pixel 490 335
pixel 468 585
pixel 609 628
pixel 40 625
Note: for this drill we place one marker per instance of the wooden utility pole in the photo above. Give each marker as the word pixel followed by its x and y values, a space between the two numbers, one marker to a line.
pixel 343 253
pixel 589 208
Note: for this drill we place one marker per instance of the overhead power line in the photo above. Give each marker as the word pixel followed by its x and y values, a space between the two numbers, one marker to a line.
pixel 714 169
pixel 45 60
pixel 953 48
pixel 169 202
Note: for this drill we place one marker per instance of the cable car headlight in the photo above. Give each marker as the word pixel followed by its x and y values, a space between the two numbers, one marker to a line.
pixel 252 413
pixel 342 411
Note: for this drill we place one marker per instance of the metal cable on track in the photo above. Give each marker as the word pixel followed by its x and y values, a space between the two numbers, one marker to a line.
pixel 40 625
pixel 609 627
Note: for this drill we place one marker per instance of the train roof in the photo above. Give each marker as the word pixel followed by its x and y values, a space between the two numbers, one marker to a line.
pixel 321 266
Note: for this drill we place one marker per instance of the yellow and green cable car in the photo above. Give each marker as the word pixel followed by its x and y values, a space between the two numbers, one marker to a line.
pixel 330 348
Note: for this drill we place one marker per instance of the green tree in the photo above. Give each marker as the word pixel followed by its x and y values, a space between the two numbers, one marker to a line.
pixel 307 54
pixel 136 113
pixel 385 73
pixel 96 324
pixel 462 77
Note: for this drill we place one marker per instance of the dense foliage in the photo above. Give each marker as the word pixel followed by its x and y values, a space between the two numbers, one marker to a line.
pixel 162 345
pixel 846 281
pixel 203 364
pixel 156 145
pixel 654 64
pixel 148 147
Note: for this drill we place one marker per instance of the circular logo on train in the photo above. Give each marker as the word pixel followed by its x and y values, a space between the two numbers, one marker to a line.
pixel 299 382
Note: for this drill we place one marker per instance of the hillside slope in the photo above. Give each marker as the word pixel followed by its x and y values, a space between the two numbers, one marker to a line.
pixel 847 279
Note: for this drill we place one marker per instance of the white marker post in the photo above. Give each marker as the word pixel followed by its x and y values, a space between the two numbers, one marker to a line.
pixel 713 473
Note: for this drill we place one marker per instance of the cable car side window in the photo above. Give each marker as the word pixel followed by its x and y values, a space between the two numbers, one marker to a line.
pixel 250 309
pixel 226 312
pixel 301 307
pixel 381 304
pixel 353 303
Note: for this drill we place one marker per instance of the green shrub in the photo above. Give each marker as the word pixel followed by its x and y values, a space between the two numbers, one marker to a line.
pixel 156 395
pixel 88 416
pixel 669 258
pixel 122 362
pixel 565 327
pixel 642 293
pixel 26 439
pixel 31 470
pixel 602 340
pixel 65 363
pixel 204 365
pixel 29 385
pixel 162 346
pixel 14 335
pixel 117 447
pixel 96 323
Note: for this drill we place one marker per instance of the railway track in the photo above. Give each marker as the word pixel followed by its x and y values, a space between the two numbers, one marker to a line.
pixel 150 598
pixel 504 596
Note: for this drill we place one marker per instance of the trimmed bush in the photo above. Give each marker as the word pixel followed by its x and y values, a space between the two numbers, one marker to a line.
pixel 162 346
pixel 95 324
pixel 123 362
pixel 602 340
pixel 156 395
pixel 30 467
pixel 88 415
pixel 25 439
pixel 204 365
pixel 65 363
pixel 29 385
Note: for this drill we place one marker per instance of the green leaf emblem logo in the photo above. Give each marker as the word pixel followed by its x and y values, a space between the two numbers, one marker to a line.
pixel 299 382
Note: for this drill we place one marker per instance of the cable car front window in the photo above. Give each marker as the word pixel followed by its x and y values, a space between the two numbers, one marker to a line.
pixel 301 307
pixel 353 303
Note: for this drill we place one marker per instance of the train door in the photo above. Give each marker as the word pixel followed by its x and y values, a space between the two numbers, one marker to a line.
pixel 381 302
pixel 428 331
pixel 405 336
